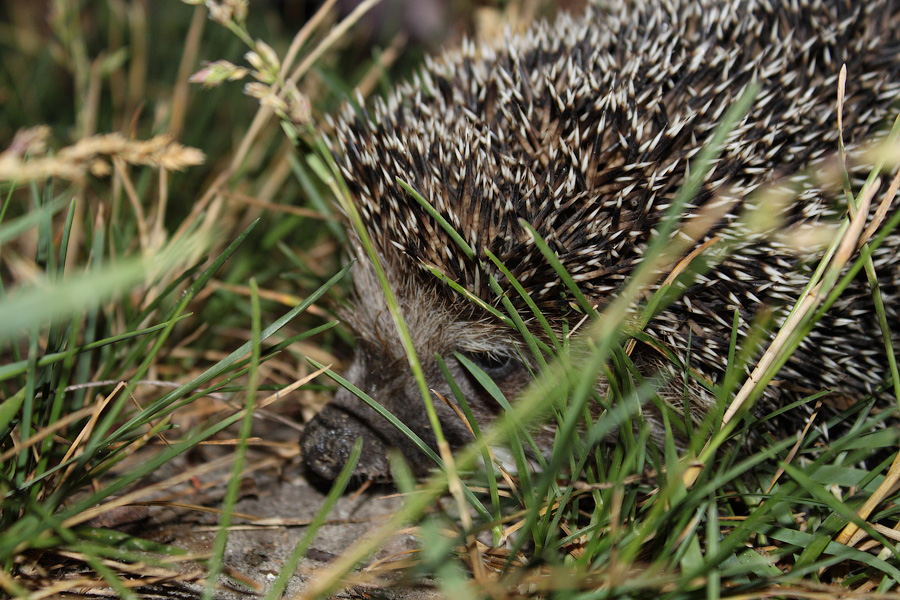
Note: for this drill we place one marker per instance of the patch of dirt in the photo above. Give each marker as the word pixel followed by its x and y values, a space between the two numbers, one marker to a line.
pixel 276 502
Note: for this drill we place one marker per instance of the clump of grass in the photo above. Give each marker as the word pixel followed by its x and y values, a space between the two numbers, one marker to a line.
pixel 132 287
pixel 102 293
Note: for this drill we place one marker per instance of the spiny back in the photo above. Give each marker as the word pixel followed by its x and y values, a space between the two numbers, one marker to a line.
pixel 586 129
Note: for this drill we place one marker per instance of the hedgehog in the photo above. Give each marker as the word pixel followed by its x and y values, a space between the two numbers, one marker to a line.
pixel 585 128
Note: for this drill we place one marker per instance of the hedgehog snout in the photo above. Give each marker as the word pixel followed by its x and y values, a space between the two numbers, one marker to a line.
pixel 328 439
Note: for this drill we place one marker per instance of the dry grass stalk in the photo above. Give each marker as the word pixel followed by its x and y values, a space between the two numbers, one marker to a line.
pixel 25 159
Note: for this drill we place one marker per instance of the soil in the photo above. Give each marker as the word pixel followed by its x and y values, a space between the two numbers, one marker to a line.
pixel 276 502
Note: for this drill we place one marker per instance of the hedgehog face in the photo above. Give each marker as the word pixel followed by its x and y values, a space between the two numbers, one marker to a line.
pixel 381 370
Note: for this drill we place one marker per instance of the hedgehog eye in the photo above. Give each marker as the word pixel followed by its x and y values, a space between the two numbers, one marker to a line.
pixel 495 365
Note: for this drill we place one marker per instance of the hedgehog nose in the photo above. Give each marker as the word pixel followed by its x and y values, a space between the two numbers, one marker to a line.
pixel 328 440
